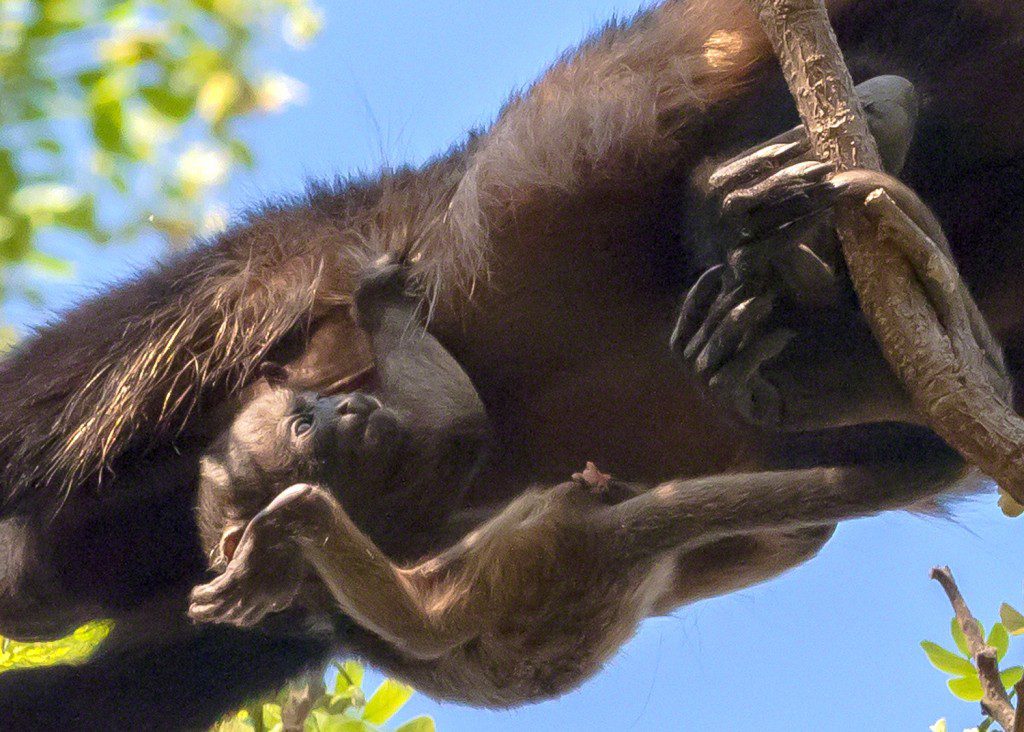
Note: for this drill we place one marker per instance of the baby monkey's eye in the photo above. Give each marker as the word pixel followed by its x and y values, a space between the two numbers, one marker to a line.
pixel 302 424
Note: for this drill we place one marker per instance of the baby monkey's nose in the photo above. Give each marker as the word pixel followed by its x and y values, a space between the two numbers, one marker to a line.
pixel 358 403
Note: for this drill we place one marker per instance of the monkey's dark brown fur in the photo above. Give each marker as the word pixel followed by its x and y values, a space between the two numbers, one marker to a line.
pixel 556 245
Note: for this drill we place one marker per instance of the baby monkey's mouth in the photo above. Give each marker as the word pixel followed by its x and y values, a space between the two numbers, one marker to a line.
pixel 365 426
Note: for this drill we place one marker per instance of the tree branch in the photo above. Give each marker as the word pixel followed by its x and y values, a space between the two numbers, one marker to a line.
pixel 302 697
pixel 938 360
pixel 1018 719
pixel 995 701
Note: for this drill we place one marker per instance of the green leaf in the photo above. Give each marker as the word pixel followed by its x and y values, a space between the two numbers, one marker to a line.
pixel 235 723
pixel 73 649
pixel 175 106
pixel 967 688
pixel 50 146
pixel 385 702
pixel 50 265
pixel 418 724
pixel 243 154
pixel 350 674
pixel 82 218
pixel 218 96
pixel 89 79
pixel 947 661
pixel 44 200
pixel 340 702
pixel 959 638
pixel 1012 619
pixel 316 720
pixel 1011 676
pixel 8 337
pixel 9 178
pixel 999 639
pixel 15 238
pixel 343 724
pixel 271 715
pixel 123 10
pixel 108 126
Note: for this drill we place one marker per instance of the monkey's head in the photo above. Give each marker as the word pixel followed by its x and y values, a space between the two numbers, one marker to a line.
pixel 348 443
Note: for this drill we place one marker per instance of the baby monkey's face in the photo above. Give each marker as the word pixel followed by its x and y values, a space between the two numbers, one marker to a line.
pixel 349 444
pixel 289 436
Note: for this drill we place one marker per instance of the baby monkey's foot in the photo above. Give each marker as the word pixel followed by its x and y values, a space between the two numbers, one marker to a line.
pixel 601 485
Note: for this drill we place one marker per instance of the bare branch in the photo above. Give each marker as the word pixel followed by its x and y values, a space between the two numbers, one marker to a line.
pixel 938 360
pixel 995 701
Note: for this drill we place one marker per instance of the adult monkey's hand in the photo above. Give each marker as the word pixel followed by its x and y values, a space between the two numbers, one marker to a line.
pixel 919 310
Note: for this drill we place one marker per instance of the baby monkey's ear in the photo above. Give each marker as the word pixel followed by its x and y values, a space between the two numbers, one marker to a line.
pixel 229 542
pixel 274 373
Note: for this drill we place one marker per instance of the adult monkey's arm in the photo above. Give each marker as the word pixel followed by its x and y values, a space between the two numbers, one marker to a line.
pixel 921 313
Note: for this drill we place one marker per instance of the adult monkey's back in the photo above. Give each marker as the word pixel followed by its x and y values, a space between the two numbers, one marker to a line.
pixel 564 222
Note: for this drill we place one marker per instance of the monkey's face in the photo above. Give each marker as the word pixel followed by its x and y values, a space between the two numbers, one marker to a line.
pixel 349 443
pixel 289 436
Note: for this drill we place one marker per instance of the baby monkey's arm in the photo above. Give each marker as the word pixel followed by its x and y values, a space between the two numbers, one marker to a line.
pixel 307 522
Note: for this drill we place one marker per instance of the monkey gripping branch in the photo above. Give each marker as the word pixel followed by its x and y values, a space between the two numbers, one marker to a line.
pixel 918 308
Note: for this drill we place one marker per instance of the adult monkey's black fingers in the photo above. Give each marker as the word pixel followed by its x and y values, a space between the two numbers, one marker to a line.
pixel 719 309
pixel 785 196
pixel 695 306
pixel 741 383
pixel 755 164
pixel 733 328
pixel 891 105
pixel 807 277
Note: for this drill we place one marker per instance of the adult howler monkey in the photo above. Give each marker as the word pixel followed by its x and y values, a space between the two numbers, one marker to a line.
pixel 556 246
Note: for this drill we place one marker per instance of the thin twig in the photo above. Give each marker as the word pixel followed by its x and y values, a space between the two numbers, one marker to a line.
pixel 995 702
pixel 302 697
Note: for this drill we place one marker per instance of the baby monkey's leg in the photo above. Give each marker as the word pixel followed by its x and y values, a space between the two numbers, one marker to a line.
pixel 686 514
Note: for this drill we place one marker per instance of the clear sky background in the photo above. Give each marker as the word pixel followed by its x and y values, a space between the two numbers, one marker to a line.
pixel 832 645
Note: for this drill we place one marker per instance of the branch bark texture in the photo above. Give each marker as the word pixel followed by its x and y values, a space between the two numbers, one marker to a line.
pixel 941 365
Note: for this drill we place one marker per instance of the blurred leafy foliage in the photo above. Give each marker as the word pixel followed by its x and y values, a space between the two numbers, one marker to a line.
pixel 130 108
pixel 75 648
pixel 964 683
pixel 343 708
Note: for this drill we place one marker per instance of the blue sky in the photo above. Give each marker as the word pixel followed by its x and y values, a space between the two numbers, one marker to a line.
pixel 832 645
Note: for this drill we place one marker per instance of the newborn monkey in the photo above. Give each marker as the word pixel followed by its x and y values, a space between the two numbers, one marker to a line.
pixel 529 604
